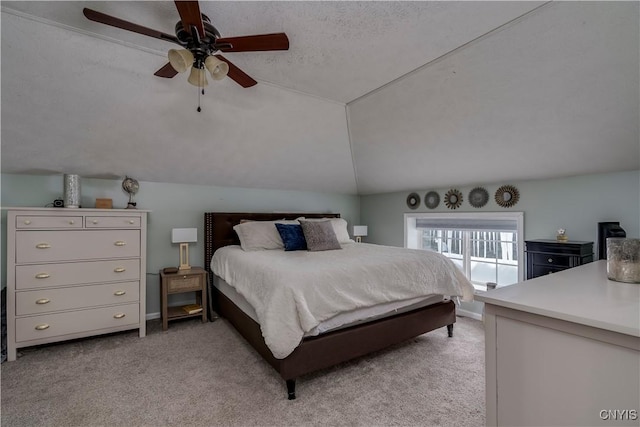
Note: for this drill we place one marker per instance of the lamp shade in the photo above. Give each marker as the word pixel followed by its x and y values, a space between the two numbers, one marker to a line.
pixel 198 77
pixel 180 59
pixel 216 67
pixel 184 235
pixel 360 230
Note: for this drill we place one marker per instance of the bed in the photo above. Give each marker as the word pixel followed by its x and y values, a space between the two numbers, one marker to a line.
pixel 312 352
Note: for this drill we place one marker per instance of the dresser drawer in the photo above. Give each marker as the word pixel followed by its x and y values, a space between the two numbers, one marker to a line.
pixel 543 270
pixel 58 299
pixel 58 324
pixel 551 259
pixel 47 246
pixel 75 273
pixel 35 222
pixel 112 222
pixel 183 283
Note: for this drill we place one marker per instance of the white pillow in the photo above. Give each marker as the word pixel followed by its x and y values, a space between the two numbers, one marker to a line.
pixel 260 235
pixel 339 227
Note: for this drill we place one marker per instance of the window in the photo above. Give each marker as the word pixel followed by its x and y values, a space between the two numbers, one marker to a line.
pixel 487 247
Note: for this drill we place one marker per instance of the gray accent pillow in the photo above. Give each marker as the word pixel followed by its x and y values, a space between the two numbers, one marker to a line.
pixel 319 235
pixel 260 235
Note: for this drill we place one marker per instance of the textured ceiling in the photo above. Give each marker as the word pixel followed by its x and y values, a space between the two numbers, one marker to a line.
pixel 366 90
pixel 338 50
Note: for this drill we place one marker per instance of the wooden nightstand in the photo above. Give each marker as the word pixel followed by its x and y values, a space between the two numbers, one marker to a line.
pixel 194 280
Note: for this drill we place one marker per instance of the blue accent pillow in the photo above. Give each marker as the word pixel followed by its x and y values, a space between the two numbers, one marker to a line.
pixel 292 237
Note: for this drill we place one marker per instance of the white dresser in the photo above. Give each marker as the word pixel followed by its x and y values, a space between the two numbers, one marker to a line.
pixel 563 349
pixel 73 273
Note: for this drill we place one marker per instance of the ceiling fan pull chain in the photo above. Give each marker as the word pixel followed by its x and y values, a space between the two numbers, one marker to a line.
pixel 199 109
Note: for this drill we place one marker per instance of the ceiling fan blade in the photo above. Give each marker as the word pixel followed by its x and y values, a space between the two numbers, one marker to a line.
pixel 276 41
pixel 237 75
pixel 167 71
pixel 100 17
pixel 190 16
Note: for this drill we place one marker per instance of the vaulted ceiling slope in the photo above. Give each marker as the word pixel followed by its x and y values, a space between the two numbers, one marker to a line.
pixel 371 97
pixel 553 94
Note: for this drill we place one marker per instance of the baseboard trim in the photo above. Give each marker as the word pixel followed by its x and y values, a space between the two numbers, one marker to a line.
pixel 151 316
pixel 467 313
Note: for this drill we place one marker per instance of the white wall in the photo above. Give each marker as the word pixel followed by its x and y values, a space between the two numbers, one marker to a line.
pixel 172 206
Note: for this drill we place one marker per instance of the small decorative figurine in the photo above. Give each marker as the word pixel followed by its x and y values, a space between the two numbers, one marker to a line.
pixel 562 236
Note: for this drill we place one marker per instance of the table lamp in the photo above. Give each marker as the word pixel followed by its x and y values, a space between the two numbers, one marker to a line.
pixel 359 231
pixel 184 236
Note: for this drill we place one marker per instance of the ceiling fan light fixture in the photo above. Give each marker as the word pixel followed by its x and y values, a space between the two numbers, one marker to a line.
pixel 180 59
pixel 216 67
pixel 198 77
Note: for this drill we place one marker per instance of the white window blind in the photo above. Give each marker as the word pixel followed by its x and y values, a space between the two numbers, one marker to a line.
pixel 468 224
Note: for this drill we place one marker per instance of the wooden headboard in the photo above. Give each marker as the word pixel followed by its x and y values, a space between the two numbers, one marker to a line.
pixel 218 228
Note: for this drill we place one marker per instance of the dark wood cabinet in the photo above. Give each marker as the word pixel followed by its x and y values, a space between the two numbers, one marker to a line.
pixel 549 256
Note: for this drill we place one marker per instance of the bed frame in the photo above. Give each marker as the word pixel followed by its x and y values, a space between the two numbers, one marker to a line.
pixel 321 351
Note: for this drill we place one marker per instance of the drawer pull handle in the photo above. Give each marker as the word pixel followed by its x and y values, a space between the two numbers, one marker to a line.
pixel 42 327
pixel 119 269
pixel 550 260
pixel 72 222
pixel 131 221
pixel 43 276
pixel 43 246
pixel 27 222
pixel 119 315
pixel 119 293
pixel 42 301
pixel 120 243
pixel 95 221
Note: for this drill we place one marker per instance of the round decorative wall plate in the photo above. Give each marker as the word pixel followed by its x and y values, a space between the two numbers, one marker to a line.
pixel 432 199
pixel 413 200
pixel 453 199
pixel 507 196
pixel 478 197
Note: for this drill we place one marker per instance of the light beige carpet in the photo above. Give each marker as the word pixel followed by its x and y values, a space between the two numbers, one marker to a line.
pixel 199 374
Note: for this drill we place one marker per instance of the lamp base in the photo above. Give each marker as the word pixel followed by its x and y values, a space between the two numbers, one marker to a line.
pixel 184 257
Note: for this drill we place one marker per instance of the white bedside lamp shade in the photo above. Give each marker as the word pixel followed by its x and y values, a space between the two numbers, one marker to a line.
pixel 184 236
pixel 359 231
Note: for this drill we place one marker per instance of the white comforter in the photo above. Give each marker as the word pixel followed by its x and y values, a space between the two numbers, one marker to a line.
pixel 292 292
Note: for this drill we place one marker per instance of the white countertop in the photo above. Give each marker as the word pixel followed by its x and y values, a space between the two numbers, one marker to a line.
pixel 581 295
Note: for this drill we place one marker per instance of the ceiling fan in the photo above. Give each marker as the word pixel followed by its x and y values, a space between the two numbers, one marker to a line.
pixel 200 41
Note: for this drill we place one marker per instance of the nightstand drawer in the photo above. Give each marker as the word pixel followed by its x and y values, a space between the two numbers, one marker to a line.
pixel 48 300
pixel 74 273
pixel 53 325
pixel 551 259
pixel 184 283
